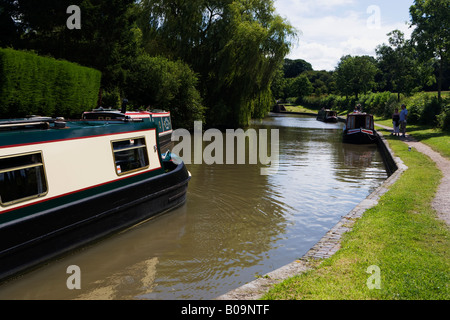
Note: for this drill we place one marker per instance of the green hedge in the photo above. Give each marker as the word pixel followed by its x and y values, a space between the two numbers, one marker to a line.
pixel 34 85
pixel 381 103
pixel 423 107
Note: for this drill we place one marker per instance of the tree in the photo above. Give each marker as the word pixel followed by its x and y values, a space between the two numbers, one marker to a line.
pixel 293 68
pixel 323 82
pixel 236 47
pixel 9 31
pixel 279 84
pixel 400 67
pixel 355 75
pixel 300 86
pixel 432 32
pixel 157 82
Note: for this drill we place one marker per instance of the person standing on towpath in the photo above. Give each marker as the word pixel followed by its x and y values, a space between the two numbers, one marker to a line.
pixel 403 118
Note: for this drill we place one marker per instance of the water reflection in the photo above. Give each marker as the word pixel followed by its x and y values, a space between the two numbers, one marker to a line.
pixel 235 224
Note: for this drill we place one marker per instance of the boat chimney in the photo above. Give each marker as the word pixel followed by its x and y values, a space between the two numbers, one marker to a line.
pixel 60 123
pixel 124 106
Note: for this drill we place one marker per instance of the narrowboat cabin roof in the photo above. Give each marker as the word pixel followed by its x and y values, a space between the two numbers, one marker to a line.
pixel 111 114
pixel 50 129
pixel 161 119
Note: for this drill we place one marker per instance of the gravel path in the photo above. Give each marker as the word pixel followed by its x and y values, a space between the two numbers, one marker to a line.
pixel 441 202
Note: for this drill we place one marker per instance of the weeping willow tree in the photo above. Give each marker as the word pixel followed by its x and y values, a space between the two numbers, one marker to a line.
pixel 235 46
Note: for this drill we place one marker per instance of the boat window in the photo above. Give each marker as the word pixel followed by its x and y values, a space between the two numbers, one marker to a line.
pixel 368 122
pixel 130 155
pixel 359 122
pixel 351 123
pixel 22 177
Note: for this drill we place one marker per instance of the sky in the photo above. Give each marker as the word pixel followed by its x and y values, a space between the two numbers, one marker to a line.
pixel 330 29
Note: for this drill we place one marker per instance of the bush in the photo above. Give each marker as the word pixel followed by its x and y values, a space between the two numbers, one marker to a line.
pixel 158 83
pixel 30 84
pixel 111 99
pixel 376 103
pixel 423 107
pixel 443 119
pixel 380 103
pixel 431 110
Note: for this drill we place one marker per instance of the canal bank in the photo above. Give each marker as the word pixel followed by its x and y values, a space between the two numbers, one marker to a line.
pixel 329 244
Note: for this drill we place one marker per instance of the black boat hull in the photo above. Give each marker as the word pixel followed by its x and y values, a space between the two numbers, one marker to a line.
pixel 360 138
pixel 29 242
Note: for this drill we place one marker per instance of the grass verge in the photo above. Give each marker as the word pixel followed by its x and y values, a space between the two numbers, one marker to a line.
pixel 401 236
pixel 298 108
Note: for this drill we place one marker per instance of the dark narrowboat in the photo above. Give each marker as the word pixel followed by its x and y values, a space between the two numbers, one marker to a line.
pixel 326 115
pixel 64 184
pixel 359 129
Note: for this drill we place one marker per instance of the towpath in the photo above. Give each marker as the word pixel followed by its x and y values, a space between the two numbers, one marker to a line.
pixel 441 202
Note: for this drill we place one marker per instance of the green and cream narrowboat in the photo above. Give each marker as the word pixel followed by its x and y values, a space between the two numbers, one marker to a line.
pixel 65 184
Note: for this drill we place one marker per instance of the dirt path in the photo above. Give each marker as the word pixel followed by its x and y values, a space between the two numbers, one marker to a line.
pixel 441 202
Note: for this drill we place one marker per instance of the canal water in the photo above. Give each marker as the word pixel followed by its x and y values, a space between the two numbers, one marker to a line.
pixel 235 226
